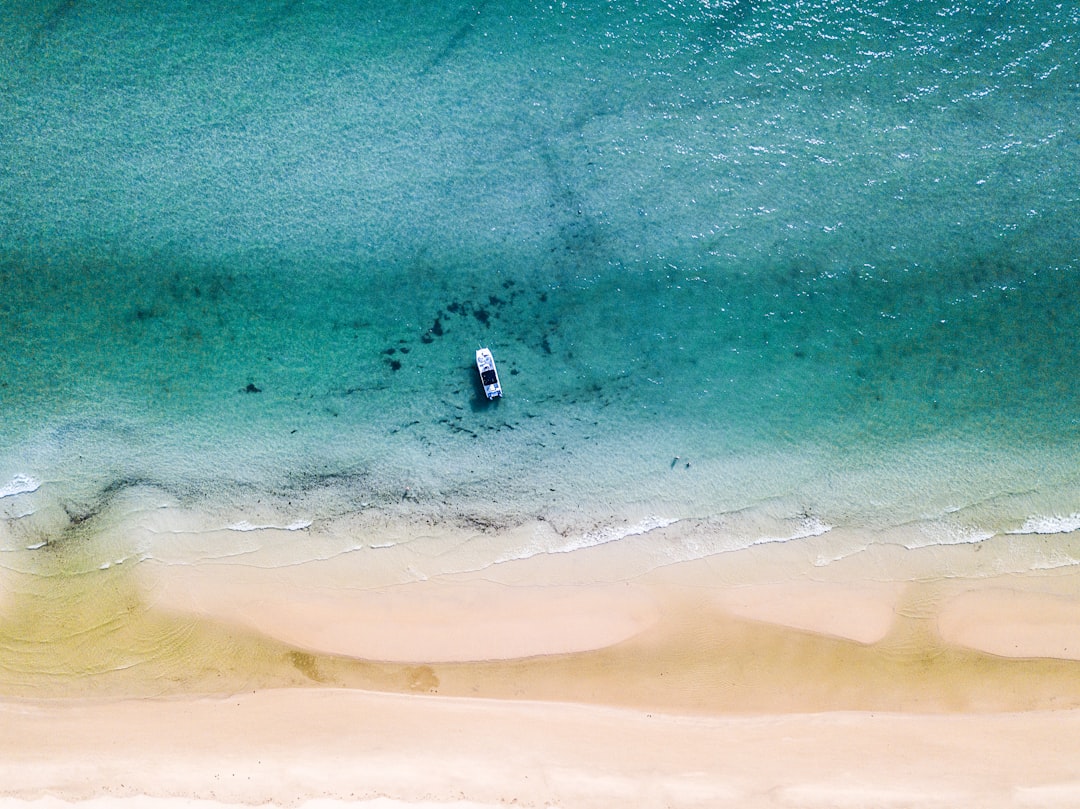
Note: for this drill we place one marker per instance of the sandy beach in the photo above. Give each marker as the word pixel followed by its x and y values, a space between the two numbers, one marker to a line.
pixel 322 747
pixel 596 678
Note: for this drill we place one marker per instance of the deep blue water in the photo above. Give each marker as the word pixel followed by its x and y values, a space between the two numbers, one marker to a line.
pixel 815 258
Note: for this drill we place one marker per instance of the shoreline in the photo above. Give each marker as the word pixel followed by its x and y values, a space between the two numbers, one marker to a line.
pixel 897 627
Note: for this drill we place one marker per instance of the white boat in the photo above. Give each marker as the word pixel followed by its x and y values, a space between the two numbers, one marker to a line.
pixel 485 363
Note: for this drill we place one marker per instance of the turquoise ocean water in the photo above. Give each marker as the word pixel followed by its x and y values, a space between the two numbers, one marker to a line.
pixel 786 267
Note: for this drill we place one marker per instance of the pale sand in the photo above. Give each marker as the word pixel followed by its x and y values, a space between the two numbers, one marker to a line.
pixel 320 747
pixel 1014 623
pixel 597 597
pixel 859 611
pixel 431 621
pixel 761 678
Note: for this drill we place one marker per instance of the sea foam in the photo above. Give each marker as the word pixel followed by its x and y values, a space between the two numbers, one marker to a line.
pixel 20 484
pixel 1055 524
pixel 807 527
pixel 613 533
pixel 244 525
pixel 598 536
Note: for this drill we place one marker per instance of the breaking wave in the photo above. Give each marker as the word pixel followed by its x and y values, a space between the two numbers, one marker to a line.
pixel 1049 525
pixel 20 484
pixel 244 525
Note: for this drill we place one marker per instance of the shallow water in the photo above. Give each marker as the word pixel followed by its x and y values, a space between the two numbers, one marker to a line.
pixel 789 266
